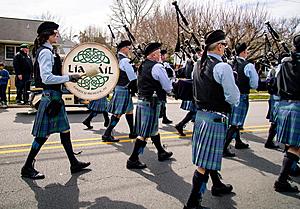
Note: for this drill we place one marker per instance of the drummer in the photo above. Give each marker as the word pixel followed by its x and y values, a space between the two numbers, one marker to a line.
pixel 121 102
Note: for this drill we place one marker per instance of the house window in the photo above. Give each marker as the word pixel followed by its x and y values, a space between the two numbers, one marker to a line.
pixel 10 52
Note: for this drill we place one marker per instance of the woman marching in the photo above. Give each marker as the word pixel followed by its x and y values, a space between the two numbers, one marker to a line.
pixel 51 116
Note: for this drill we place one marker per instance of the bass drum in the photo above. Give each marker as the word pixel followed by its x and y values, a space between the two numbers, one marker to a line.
pixel 98 67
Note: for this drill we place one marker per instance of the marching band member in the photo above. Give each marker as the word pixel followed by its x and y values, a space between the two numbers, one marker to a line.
pixel 121 102
pixel 51 116
pixel 171 75
pixel 288 116
pixel 214 91
pixel 97 106
pixel 247 78
pixel 153 82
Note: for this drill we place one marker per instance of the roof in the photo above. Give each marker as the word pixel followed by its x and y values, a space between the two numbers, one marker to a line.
pixel 17 31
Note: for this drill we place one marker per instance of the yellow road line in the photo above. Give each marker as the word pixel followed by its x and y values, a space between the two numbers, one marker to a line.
pixel 86 144
pixel 124 138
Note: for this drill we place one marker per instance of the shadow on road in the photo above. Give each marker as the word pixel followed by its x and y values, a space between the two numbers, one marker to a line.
pixel 56 195
pixel 106 203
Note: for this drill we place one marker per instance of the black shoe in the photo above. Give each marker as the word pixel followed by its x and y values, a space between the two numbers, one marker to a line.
pixel 271 145
pixel 228 153
pixel 135 164
pixel 87 124
pixel 180 130
pixel 164 155
pixel 285 187
pixel 109 139
pixel 166 121
pixel 241 145
pixel 224 189
pixel 30 172
pixel 132 136
pixel 241 127
pixel 79 166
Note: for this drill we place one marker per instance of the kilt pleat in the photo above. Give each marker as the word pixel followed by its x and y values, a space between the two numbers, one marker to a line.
pixel 288 123
pixel 273 108
pixel 99 105
pixel 121 101
pixel 208 140
pixel 146 119
pixel 188 105
pixel 45 125
pixel 239 113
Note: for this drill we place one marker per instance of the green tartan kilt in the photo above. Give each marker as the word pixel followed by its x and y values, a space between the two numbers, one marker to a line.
pixel 45 125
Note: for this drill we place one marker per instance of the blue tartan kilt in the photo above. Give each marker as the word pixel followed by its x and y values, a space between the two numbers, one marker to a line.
pixel 273 108
pixel 239 113
pixel 45 125
pixel 288 123
pixel 99 105
pixel 188 105
pixel 121 101
pixel 146 119
pixel 208 140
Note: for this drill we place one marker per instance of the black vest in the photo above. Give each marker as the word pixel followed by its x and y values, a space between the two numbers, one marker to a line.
pixel 56 70
pixel 208 94
pixel 288 80
pixel 123 79
pixel 147 84
pixel 242 80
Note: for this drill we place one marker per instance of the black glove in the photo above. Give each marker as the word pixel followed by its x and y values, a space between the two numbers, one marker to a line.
pixel 74 77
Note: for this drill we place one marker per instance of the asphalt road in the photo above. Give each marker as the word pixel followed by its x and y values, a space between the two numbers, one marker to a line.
pixel 109 185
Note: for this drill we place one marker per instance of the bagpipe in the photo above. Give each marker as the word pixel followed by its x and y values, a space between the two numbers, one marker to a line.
pixel 184 49
pixel 186 38
pixel 137 56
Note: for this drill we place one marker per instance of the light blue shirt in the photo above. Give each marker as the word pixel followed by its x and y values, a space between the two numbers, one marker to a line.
pixel 127 67
pixel 251 73
pixel 223 75
pixel 159 73
pixel 46 62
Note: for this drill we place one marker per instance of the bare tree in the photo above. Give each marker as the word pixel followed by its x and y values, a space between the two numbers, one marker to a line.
pixel 93 34
pixel 130 13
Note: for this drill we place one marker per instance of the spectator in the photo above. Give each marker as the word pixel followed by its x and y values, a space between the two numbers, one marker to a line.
pixel 4 76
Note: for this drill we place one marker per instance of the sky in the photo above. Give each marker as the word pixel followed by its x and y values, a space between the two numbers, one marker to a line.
pixel 79 14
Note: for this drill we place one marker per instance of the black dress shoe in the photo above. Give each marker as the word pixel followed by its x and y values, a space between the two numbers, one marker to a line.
pixel 285 187
pixel 135 164
pixel 87 124
pixel 271 145
pixel 132 136
pixel 164 156
pixel 224 189
pixel 241 145
pixel 79 166
pixel 180 130
pixel 166 121
pixel 29 172
pixel 109 139
pixel 228 153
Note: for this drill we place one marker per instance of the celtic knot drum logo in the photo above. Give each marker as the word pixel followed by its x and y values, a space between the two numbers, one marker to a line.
pixel 98 67
pixel 92 83
pixel 91 55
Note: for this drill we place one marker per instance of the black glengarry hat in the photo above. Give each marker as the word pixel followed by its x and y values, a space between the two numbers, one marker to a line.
pixel 240 47
pixel 123 44
pixel 214 36
pixel 296 41
pixel 151 47
pixel 47 26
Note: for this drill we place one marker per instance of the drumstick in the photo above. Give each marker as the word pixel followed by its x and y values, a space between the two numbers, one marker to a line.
pixel 91 72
